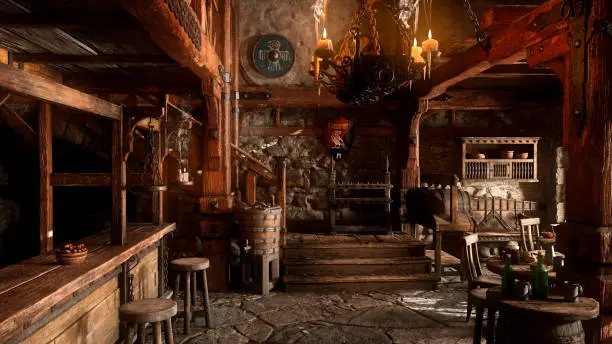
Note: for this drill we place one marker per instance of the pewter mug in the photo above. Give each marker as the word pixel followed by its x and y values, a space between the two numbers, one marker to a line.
pixel 572 291
pixel 523 289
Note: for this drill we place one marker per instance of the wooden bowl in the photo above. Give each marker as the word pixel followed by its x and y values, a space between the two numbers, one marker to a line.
pixel 70 258
pixel 506 154
pixel 522 155
pixel 477 156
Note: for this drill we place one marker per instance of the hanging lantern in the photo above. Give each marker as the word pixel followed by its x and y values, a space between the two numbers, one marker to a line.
pixel 339 137
pixel 179 140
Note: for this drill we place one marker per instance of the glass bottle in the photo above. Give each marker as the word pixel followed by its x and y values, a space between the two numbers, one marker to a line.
pixel 508 276
pixel 540 279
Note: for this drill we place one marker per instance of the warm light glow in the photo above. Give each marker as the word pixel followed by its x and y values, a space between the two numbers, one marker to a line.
pixel 325 33
pixel 415 42
pixel 429 34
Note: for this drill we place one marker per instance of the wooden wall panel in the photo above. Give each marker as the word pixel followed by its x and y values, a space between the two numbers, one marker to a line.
pixel 96 317
pixel 145 277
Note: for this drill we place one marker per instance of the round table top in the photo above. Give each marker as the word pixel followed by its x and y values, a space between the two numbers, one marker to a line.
pixel 585 308
pixel 544 240
pixel 522 271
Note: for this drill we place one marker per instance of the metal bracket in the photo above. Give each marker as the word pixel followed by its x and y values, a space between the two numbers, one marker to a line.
pixel 236 95
pixel 544 19
pixel 225 76
pixel 254 95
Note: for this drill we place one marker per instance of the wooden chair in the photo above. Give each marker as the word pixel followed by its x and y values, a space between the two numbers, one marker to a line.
pixel 473 271
pixel 153 311
pixel 530 232
pixel 189 268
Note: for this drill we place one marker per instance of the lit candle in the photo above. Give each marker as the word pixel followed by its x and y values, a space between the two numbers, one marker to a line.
pixel 325 48
pixel 430 45
pixel 416 52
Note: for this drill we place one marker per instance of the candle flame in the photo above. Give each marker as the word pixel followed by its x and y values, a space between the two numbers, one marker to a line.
pixel 324 33
pixel 429 34
pixel 415 42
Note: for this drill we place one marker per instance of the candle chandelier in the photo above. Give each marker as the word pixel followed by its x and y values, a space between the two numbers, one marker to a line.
pixel 360 73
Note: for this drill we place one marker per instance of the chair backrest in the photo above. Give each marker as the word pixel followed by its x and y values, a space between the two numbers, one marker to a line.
pixel 530 228
pixel 469 257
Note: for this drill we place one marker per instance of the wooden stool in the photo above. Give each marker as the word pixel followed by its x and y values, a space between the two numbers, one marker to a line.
pixel 260 272
pixel 154 311
pixel 189 267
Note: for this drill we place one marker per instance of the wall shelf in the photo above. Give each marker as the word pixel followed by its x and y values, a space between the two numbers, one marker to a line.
pixel 495 168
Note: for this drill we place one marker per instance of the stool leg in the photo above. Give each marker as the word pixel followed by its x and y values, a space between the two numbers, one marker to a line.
pixel 187 300
pixel 478 326
pixel 265 276
pixel 158 333
pixel 168 331
pixel 194 290
pixel 142 334
pixel 205 300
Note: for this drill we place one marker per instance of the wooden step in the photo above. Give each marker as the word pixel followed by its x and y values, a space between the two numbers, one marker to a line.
pixel 357 266
pixel 354 251
pixel 360 282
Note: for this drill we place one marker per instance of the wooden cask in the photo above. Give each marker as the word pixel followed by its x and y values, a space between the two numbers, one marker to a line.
pixel 261 226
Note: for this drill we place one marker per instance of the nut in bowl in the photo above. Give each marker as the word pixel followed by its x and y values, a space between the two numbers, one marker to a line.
pixel 70 254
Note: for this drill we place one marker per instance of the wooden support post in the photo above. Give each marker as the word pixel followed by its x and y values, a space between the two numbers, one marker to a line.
pixel 157 200
pixel 118 181
pixel 586 237
pixel 45 134
pixel 281 195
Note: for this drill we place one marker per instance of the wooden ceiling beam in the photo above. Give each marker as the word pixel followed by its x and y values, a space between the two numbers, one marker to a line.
pixel 46 90
pixel 129 85
pixel 59 59
pixel 166 30
pixel 494 18
pixel 458 99
pixel 506 47
pixel 64 20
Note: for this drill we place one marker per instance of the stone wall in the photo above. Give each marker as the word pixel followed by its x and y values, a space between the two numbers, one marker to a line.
pixel 309 161
pixel 440 149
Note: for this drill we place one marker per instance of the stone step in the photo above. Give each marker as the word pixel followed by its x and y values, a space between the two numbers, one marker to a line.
pixel 356 266
pixel 360 282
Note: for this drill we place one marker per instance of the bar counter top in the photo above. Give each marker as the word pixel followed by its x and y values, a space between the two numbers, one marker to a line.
pixel 31 289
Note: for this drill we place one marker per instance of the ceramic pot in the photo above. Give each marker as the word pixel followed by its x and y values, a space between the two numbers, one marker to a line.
pixel 523 289
pixel 572 291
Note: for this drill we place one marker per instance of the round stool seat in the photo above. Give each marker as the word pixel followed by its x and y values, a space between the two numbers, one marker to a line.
pixel 148 311
pixel 190 264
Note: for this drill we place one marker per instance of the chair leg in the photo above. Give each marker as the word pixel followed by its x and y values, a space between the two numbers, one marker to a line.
pixel 157 330
pixel 142 334
pixel 478 326
pixel 168 331
pixel 205 300
pixel 469 310
pixel 491 325
pixel 187 301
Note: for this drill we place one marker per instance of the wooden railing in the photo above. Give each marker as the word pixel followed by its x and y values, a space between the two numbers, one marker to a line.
pixel 499 169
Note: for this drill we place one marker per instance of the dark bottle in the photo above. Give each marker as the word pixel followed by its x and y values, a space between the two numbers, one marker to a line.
pixel 540 279
pixel 508 276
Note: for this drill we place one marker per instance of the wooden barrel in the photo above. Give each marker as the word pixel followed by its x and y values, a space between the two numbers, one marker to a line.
pixel 261 226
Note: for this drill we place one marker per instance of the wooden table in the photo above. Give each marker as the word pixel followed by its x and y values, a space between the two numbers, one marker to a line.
pixel 552 321
pixel 522 271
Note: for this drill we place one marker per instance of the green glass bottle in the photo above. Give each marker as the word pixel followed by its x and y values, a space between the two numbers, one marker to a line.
pixel 508 276
pixel 540 279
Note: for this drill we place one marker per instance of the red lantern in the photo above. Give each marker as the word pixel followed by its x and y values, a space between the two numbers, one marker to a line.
pixel 339 137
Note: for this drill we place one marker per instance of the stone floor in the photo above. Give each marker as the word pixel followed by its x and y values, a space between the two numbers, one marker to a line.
pixel 411 317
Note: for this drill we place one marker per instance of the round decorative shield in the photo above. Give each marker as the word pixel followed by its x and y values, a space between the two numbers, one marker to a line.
pixel 273 56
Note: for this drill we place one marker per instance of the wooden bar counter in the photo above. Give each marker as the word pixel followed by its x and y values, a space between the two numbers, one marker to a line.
pixel 43 302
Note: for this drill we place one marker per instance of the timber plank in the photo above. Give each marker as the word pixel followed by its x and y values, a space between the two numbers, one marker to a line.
pixel 60 324
pixel 359 279
pixel 18 81
pixel 28 302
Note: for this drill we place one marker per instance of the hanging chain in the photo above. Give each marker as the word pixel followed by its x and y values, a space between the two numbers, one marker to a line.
pixel 375 37
pixel 481 36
